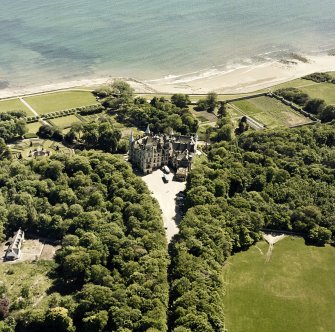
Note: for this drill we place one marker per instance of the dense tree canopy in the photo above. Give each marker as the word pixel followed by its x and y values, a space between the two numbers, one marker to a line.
pixel 271 179
pixel 113 261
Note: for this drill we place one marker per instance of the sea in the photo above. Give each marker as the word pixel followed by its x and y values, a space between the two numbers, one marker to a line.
pixel 44 42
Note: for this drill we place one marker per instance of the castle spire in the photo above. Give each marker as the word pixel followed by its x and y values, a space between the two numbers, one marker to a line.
pixel 148 130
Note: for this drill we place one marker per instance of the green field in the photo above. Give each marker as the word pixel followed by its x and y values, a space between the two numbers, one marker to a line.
pixel 65 121
pixel 325 91
pixel 33 127
pixel 57 101
pixel 271 112
pixel 13 105
pixel 293 292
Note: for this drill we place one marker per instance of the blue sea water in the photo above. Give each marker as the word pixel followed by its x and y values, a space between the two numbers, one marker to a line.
pixel 42 42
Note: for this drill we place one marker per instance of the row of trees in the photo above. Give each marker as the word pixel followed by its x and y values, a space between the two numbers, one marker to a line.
pixel 111 272
pixel 271 179
pixel 315 106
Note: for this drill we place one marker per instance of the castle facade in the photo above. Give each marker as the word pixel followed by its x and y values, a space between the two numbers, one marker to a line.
pixel 151 152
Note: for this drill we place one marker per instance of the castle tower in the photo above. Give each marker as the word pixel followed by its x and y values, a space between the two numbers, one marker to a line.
pixel 131 143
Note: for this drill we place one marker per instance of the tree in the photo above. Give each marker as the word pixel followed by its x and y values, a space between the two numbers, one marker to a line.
pixel 96 323
pixel 57 320
pixel 211 101
pixel 222 112
pixel 180 100
pixel 242 126
pixel 314 106
pixel 4 150
pixel 320 235
pixel 327 114
pixel 122 89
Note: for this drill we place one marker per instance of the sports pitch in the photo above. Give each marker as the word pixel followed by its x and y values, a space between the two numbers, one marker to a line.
pixel 292 292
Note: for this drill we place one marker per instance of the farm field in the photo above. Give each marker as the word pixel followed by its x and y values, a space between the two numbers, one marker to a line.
pixel 8 105
pixel 64 121
pixel 269 111
pixel 57 101
pixel 293 292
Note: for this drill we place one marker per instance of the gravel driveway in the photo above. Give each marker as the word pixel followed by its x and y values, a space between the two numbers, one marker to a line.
pixel 166 194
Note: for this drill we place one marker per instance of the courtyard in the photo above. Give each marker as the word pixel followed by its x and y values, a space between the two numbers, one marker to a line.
pixel 166 195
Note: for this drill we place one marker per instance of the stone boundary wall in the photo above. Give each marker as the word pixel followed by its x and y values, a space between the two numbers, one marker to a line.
pixel 294 107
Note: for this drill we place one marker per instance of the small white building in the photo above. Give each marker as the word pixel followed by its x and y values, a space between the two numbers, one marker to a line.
pixel 13 252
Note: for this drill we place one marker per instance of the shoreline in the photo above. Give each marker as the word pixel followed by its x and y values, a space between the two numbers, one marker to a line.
pixel 245 79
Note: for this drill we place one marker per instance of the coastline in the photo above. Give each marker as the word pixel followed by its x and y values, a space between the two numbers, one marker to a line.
pixel 245 79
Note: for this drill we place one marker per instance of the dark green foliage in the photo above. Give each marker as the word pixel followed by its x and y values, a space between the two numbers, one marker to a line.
pixel 314 106
pixel 95 135
pixel 327 114
pixel 12 115
pixel 49 132
pixel 293 94
pixel 160 114
pixel 113 260
pixel 242 126
pixel 209 103
pixel 279 180
pixel 12 125
pixel 320 77
pixel 180 100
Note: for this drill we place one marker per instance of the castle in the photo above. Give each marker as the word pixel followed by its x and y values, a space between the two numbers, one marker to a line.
pixel 151 152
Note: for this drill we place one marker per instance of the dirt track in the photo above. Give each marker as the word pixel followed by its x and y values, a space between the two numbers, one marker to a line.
pixel 271 240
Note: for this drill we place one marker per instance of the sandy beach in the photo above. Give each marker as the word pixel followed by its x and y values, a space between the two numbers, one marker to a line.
pixel 241 80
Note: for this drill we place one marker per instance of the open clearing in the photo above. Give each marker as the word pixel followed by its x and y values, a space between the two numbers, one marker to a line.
pixel 292 292
pixel 29 276
pixel 271 112
pixel 32 249
pixel 58 101
pixel 14 105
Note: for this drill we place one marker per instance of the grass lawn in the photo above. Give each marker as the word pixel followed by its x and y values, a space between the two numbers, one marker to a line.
pixel 203 116
pixel 64 121
pixel 325 91
pixel 271 112
pixel 57 101
pixel 33 127
pixel 32 276
pixel 293 292
pixel 13 105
